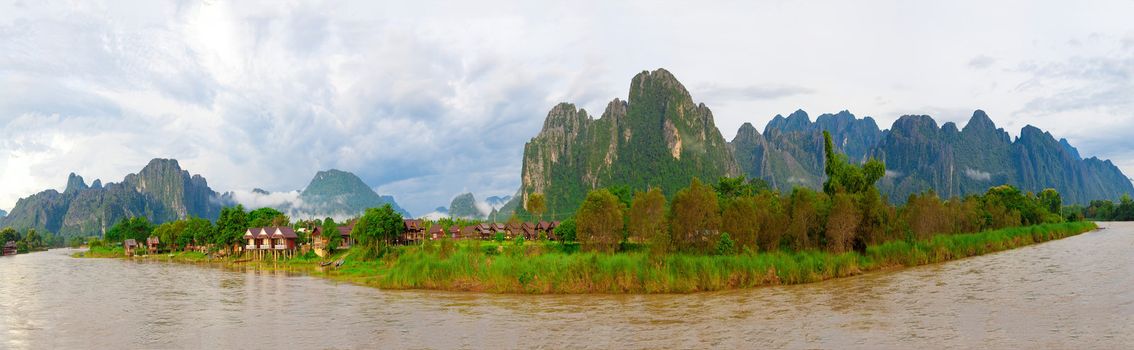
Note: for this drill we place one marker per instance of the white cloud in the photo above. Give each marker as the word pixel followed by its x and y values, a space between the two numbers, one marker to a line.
pixel 424 100
pixel 977 174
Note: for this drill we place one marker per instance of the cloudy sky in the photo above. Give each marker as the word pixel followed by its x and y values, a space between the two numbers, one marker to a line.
pixel 425 100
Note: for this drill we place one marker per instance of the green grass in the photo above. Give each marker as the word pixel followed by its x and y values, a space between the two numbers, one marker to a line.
pixel 548 270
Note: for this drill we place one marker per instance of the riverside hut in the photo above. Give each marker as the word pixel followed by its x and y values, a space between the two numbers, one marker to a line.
pixel 9 248
pixel 152 244
pixel 129 246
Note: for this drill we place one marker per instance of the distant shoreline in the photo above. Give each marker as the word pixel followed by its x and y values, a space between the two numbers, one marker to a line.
pixel 534 268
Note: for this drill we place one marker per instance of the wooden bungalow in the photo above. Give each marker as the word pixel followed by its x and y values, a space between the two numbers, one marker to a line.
pixel 346 240
pixel 455 232
pixel 319 240
pixel 153 244
pixel 413 230
pixel 469 232
pixel 529 231
pixel 513 229
pixel 9 248
pixel 251 237
pixel 129 246
pixel 436 232
pixel 484 231
pixel 283 238
pixel 499 227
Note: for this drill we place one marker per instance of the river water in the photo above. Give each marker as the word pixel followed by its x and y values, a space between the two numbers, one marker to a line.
pixel 1076 292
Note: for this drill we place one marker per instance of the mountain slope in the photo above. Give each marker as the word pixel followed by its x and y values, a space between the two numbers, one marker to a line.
pixel 339 193
pixel 658 137
pixel 920 155
pixel 161 191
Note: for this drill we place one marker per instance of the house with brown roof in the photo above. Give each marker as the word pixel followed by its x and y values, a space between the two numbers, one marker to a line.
pixel 413 230
pixel 484 231
pixel 436 232
pixel 529 231
pixel 9 248
pixel 129 246
pixel 276 240
pixel 347 240
pixel 152 244
pixel 455 232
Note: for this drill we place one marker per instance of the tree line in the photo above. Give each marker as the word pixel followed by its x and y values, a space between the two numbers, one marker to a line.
pixel 744 215
pixel 30 239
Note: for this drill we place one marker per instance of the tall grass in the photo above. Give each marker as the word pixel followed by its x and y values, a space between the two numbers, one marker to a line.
pixel 536 270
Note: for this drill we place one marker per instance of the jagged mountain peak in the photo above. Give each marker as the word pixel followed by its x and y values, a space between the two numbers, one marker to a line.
pixel 647 80
pixel 75 183
pixel 746 133
pixel 980 121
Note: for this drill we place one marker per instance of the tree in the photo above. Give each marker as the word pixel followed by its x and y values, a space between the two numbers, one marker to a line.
pixel 331 234
pixel 842 223
pixel 599 221
pixel 378 227
pixel 804 209
pixel 137 228
pixel 231 225
pixel 742 220
pixel 729 188
pixel 170 233
pixel 647 221
pixel 1050 200
pixel 537 205
pixel 845 177
pixel 695 217
pixel 265 217
pixel 9 234
pixel 566 230
pixel 200 230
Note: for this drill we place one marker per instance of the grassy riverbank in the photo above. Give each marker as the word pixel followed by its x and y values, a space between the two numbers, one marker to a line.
pixel 536 271
pixel 555 268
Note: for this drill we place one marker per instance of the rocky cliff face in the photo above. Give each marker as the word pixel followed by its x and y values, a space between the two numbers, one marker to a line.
pixel 464 206
pixel 920 155
pixel 161 191
pixel 657 137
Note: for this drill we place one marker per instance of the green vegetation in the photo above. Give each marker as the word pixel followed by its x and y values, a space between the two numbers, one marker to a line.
pixel 1103 210
pixel 546 268
pixel 30 240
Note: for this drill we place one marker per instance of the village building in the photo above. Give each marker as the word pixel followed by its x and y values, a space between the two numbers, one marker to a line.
pixel 129 246
pixel 275 241
pixel 346 240
pixel 436 232
pixel 485 231
pixel 469 232
pixel 513 230
pixel 413 230
pixel 153 244
pixel 529 231
pixel 455 232
pixel 9 248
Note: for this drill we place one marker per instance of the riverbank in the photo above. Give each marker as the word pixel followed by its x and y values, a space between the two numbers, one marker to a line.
pixel 547 268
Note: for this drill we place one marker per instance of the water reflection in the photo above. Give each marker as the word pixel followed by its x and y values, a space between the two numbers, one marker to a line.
pixel 1071 293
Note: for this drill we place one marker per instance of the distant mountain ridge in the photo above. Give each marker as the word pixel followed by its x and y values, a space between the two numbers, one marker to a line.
pixel 659 137
pixel 161 191
pixel 333 193
pixel 920 155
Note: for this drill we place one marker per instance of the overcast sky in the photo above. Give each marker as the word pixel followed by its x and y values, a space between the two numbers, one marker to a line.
pixel 425 100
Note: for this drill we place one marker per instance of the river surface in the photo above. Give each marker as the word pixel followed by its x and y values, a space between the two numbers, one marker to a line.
pixel 1074 293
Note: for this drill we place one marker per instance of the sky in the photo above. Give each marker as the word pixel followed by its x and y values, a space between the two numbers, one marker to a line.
pixel 426 100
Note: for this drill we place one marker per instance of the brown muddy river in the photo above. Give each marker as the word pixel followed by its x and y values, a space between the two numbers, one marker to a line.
pixel 1075 293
